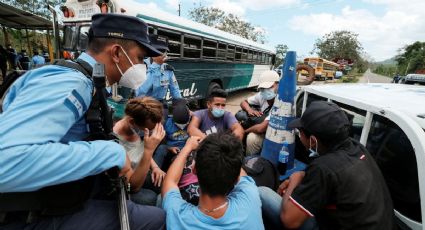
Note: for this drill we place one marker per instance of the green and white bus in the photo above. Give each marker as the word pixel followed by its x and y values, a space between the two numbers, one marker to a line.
pixel 204 58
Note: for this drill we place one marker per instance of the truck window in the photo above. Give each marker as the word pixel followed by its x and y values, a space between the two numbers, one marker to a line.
pixel 396 159
pixel 356 117
pixel 311 98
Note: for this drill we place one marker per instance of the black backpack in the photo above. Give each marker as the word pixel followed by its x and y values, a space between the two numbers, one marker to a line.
pixel 262 171
pixel 248 121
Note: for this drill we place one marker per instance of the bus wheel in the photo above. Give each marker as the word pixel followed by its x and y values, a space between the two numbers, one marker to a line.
pixel 311 74
pixel 211 87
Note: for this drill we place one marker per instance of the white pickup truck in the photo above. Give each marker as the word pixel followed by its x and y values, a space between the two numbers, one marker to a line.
pixel 389 119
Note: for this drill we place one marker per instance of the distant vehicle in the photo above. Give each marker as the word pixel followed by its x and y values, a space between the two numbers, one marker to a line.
pixel 279 70
pixel 204 58
pixel 389 120
pixel 324 69
pixel 414 79
pixel 338 74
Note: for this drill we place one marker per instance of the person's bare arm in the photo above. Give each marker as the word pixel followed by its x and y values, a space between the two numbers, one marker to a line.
pixel 258 128
pixel 291 215
pixel 176 169
pixel 193 128
pixel 238 131
pixel 157 175
pixel 252 112
pixel 150 144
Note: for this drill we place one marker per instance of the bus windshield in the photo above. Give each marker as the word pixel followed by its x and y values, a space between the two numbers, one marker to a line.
pixel 312 64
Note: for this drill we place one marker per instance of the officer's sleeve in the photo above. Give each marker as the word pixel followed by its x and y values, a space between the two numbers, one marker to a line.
pixel 174 86
pixel 146 86
pixel 39 112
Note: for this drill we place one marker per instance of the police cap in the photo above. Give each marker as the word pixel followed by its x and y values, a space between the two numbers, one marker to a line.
pixel 122 27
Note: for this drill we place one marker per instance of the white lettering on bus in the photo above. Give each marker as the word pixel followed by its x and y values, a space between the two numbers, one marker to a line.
pixel 188 92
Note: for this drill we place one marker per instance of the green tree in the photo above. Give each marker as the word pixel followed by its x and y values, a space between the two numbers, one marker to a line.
pixel 339 44
pixel 231 23
pixel 281 50
pixel 37 7
pixel 411 58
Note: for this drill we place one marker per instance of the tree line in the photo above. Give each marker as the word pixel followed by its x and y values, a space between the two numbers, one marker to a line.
pixel 337 44
pixel 410 59
pixel 37 7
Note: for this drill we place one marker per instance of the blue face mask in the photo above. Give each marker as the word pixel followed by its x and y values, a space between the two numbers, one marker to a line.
pixel 217 113
pixel 267 94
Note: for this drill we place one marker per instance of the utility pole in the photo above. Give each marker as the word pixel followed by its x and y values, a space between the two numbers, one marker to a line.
pixel 407 68
pixel 179 9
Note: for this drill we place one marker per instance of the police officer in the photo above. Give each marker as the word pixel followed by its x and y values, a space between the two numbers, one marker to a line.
pixel 43 125
pixel 160 75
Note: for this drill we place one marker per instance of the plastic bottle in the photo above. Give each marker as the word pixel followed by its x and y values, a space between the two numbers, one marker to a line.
pixel 283 159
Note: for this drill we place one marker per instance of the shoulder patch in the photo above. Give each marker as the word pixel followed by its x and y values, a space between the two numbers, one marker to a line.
pixel 168 67
pixel 76 104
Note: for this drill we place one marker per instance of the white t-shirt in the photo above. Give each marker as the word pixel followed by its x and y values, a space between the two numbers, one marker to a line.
pixel 134 150
pixel 257 99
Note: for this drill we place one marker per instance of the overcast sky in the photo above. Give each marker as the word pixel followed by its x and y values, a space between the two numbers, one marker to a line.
pixel 383 26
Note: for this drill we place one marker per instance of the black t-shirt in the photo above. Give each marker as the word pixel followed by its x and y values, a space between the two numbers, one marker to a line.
pixel 344 189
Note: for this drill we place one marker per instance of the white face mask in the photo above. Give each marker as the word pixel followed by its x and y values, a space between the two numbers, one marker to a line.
pixel 134 76
pixel 181 126
pixel 313 153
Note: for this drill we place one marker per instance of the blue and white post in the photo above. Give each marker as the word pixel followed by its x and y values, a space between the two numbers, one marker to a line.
pixel 282 113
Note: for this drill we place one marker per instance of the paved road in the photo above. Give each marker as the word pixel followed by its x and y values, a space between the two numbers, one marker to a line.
pixel 234 100
pixel 369 77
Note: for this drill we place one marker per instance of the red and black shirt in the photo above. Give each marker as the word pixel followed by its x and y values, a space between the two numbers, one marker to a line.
pixel 344 189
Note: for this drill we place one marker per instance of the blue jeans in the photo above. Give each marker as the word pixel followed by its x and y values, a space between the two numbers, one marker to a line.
pixel 271 203
pixel 145 197
pixel 96 214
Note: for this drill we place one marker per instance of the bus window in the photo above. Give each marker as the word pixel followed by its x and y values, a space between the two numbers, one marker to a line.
pixel 230 53
pixel 209 49
pixel 244 55
pixel 83 40
pixel 238 54
pixel 254 57
pixel 192 47
pixel 250 55
pixel 312 63
pixel 263 58
pixel 396 159
pixel 174 41
pixel 69 37
pixel 222 51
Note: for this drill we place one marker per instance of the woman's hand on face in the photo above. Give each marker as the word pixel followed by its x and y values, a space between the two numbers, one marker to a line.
pixel 152 141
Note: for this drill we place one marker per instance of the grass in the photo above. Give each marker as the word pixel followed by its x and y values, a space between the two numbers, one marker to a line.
pixel 352 77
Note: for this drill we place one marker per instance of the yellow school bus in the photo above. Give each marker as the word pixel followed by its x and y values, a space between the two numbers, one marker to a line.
pixel 324 69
